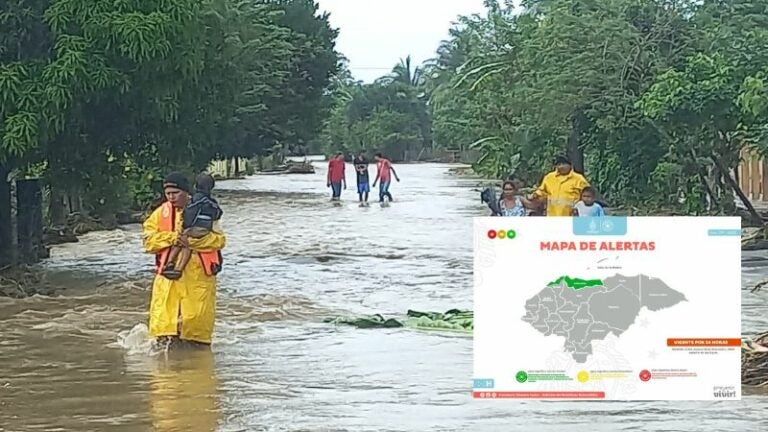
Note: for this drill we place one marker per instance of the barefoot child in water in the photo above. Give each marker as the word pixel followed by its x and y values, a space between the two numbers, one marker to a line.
pixel 587 206
pixel 199 215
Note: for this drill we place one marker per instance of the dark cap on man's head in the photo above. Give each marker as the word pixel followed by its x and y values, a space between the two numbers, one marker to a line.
pixel 562 160
pixel 176 180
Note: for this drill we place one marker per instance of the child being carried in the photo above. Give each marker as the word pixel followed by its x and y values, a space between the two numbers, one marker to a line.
pixel 198 218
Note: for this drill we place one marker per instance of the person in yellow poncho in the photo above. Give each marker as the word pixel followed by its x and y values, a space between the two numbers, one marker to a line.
pixel 182 309
pixel 561 188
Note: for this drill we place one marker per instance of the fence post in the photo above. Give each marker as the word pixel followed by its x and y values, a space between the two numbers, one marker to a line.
pixel 6 228
pixel 29 221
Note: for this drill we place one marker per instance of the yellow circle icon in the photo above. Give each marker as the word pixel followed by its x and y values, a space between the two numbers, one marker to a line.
pixel 582 376
pixel 502 234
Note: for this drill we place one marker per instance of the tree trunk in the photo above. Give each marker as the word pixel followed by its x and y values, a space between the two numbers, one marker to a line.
pixel 735 187
pixel 236 160
pixel 57 208
pixel 704 177
pixel 30 221
pixel 574 150
pixel 708 193
pixel 75 204
pixel 6 229
pixel 425 127
pixel 575 153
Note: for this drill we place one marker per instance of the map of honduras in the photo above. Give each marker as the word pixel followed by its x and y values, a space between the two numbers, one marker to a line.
pixel 585 310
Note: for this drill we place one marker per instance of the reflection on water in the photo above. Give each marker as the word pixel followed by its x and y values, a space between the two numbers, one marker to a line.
pixel 183 392
pixel 79 360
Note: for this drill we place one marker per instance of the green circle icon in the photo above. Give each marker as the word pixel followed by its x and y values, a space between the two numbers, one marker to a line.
pixel 511 234
pixel 521 376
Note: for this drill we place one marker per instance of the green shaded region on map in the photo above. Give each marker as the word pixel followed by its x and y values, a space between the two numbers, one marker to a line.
pixel 576 283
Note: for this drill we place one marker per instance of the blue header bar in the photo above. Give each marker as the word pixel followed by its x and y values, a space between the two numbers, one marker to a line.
pixel 483 383
pixel 600 225
pixel 724 232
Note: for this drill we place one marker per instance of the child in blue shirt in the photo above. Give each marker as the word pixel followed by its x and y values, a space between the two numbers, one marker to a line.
pixel 587 206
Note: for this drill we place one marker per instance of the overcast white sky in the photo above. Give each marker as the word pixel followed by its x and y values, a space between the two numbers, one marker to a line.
pixel 375 34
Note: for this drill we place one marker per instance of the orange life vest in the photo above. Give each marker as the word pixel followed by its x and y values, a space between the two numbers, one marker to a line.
pixel 211 260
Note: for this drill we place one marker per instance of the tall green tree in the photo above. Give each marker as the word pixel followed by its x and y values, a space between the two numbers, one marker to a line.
pixel 101 97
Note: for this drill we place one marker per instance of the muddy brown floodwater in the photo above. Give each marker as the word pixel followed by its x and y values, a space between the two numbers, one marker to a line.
pixel 78 362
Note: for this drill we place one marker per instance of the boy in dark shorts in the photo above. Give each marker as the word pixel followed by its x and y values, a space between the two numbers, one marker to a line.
pixel 363 185
pixel 199 215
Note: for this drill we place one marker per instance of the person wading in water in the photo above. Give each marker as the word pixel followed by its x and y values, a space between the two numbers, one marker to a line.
pixel 336 176
pixel 181 310
pixel 561 187
pixel 363 181
pixel 384 173
pixel 511 203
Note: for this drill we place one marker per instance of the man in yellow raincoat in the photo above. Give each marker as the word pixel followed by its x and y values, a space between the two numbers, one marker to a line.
pixel 561 188
pixel 182 309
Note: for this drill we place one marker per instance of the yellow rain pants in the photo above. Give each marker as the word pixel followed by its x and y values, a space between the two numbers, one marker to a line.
pixel 191 298
pixel 562 192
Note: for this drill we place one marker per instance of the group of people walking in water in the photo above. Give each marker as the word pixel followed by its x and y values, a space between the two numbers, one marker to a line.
pixel 337 179
pixel 567 193
pixel 185 236
pixel 562 192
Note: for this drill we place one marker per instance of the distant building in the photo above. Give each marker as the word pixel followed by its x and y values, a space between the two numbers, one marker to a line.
pixel 752 175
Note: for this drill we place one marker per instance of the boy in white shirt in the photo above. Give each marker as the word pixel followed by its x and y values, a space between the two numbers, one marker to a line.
pixel 587 206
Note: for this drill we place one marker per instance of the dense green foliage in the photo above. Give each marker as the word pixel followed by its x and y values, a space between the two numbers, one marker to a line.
pixel 389 115
pixel 101 97
pixel 652 99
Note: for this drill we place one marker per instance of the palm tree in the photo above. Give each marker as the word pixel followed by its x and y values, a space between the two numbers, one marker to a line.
pixel 404 73
pixel 412 80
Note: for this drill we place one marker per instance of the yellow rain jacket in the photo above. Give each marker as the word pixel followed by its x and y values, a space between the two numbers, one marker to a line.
pixel 562 192
pixel 191 298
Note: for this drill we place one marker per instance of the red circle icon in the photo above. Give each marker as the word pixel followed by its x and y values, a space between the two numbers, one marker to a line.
pixel 492 234
pixel 645 375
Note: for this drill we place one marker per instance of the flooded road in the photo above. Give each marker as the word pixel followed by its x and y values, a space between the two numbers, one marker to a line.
pixel 77 362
